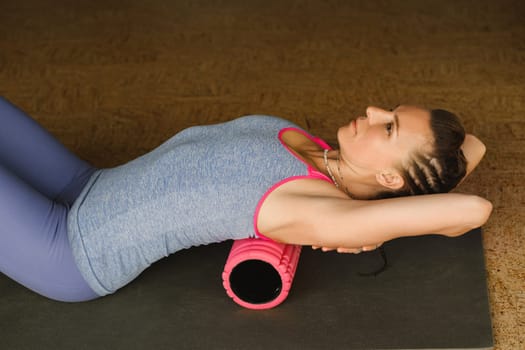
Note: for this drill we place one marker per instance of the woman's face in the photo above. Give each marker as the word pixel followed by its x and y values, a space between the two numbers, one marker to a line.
pixel 383 139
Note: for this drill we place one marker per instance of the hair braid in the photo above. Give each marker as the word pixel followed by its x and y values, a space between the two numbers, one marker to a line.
pixel 441 169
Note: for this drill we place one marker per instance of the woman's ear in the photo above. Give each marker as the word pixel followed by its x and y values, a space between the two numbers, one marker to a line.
pixel 390 179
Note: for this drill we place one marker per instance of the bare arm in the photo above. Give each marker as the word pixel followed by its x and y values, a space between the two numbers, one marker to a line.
pixel 341 222
pixel 474 150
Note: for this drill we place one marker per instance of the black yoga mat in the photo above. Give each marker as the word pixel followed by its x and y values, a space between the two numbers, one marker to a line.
pixel 432 296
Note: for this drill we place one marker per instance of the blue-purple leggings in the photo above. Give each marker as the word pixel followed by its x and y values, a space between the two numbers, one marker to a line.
pixel 39 180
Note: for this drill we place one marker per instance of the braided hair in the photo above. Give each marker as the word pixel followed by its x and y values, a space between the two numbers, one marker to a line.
pixel 439 170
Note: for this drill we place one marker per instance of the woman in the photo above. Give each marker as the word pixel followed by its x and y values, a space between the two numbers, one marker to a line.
pixel 73 233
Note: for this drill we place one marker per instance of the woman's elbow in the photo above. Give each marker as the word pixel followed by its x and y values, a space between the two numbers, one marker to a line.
pixel 475 214
pixel 481 211
pixel 486 210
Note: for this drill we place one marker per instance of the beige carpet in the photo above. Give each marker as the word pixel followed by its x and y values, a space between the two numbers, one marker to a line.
pixel 113 79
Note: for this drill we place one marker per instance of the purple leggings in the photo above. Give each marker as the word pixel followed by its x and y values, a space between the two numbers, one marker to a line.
pixel 39 180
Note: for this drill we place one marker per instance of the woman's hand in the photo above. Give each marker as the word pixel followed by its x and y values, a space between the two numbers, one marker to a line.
pixel 473 150
pixel 350 250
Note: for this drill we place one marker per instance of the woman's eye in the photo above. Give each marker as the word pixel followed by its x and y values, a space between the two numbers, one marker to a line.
pixel 388 128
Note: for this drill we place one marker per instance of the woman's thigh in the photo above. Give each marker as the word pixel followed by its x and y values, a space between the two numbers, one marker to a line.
pixel 34 246
pixel 35 156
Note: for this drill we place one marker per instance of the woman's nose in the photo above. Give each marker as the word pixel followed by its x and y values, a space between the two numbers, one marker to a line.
pixel 372 114
pixel 376 115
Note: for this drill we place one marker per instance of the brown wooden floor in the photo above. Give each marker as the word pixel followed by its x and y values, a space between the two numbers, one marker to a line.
pixel 113 79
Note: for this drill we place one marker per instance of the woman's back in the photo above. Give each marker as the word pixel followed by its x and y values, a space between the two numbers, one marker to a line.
pixel 201 186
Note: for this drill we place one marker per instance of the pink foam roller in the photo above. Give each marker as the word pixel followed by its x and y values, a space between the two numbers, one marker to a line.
pixel 258 274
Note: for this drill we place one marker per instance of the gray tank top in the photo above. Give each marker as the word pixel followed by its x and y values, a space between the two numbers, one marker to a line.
pixel 204 185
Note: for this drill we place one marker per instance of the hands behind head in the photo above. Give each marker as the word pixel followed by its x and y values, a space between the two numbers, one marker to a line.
pixel 472 148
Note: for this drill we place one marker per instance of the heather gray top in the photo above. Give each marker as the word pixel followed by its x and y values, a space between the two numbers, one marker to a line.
pixel 201 186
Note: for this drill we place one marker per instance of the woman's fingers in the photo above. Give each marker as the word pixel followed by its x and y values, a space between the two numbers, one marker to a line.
pixel 324 249
pixel 366 248
pixel 350 250
pixel 371 247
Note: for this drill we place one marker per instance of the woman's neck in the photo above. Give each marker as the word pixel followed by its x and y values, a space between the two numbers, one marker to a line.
pixel 357 183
